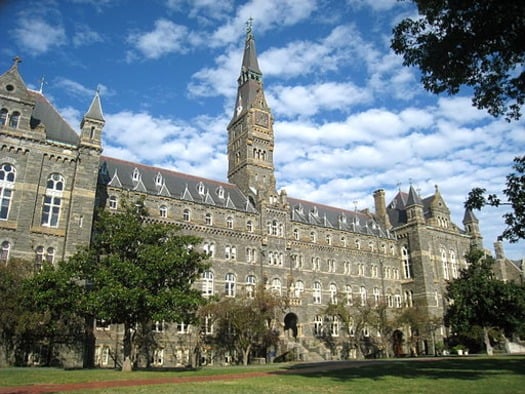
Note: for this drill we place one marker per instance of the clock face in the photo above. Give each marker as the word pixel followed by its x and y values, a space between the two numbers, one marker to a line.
pixel 261 119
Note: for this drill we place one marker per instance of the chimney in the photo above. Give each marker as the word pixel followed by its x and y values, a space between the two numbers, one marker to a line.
pixel 380 208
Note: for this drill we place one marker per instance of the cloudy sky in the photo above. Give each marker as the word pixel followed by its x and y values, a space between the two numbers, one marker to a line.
pixel 349 118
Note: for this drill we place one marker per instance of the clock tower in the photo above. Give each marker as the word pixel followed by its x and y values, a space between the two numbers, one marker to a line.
pixel 250 132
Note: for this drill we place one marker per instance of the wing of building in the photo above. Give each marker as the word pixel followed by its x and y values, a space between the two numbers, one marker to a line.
pixel 400 253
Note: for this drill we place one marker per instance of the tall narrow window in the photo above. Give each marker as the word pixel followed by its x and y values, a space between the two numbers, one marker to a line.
pixel 163 211
pixel 333 293
pixel 316 292
pixel 4 251
pixel 229 222
pixel 207 283
pixel 348 295
pixel 208 219
pixel 186 215
pixel 50 255
pixel 298 288
pixel 229 285
pixel 318 325
pixel 113 202
pixel 7 183
pixel 52 200
pixel 275 286
pixel 39 257
pixel 407 264
pixel 3 117
pixel 445 264
pixel 250 286
pixel 13 119
pixel 362 293
pixel 249 226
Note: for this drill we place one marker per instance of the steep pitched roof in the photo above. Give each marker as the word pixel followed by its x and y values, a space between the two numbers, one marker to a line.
pixel 57 129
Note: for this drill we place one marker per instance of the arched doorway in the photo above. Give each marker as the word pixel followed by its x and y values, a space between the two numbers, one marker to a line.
pixel 290 323
pixel 397 343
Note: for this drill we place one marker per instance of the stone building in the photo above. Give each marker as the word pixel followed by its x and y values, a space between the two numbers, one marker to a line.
pixel 401 254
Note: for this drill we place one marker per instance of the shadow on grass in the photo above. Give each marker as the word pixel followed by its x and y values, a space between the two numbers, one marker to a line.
pixel 464 368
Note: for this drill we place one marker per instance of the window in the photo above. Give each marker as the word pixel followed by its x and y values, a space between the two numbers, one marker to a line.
pixel 328 239
pixel 362 294
pixel 157 326
pixel 407 264
pixel 316 264
pixel 334 325
pixel 249 226
pixel 229 222
pixel 163 211
pixel 220 192
pixel 135 176
pixel 209 248
pixel 158 179
pixel 13 120
pixel 298 288
pixel 229 285
pixel 113 202
pixel 331 265
pixel 316 292
pixel 275 286
pixel 230 252
pixel 357 244
pixel 348 295
pixel 347 267
pixel 453 264
pixel 445 264
pixel 297 261
pixel 409 302
pixel 3 117
pixel 318 325
pixel 250 286
pixel 158 357
pixel 313 237
pixel 207 283
pixel 186 215
pixel 208 219
pixel 50 255
pixel 377 296
pixel 39 257
pixel 7 183
pixel 333 293
pixel 296 234
pixel 52 200
pixel 200 188
pixel 343 242
pixel 4 251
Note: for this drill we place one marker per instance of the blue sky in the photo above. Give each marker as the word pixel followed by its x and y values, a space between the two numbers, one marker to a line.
pixel 349 118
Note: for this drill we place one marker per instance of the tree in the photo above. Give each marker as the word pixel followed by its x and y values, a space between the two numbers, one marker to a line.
pixel 420 326
pixel 244 323
pixel 12 276
pixel 478 299
pixel 139 272
pixel 515 192
pixel 474 43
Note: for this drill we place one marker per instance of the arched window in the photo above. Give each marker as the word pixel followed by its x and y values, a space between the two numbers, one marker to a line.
pixel 275 286
pixel 4 251
pixel 362 293
pixel 135 176
pixel 313 237
pixel 3 117
pixel 229 222
pixel 318 325
pixel 207 283
pixel 298 288
pixel 186 215
pixel 250 286
pixel 296 234
pixel 333 293
pixel 208 219
pixel 328 239
pixel 316 292
pixel 409 299
pixel 163 211
pixel 50 255
pixel 334 326
pixel 52 200
pixel 7 183
pixel 158 179
pixel 209 248
pixel 113 202
pixel 249 226
pixel 453 264
pixel 407 264
pixel 445 264
pixel 229 285
pixel 39 257
pixel 13 119
pixel 377 296
pixel 349 295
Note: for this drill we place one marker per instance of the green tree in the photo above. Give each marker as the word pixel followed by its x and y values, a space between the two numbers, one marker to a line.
pixel 478 299
pixel 139 272
pixel 12 276
pixel 476 43
pixel 419 326
pixel 515 193
pixel 244 323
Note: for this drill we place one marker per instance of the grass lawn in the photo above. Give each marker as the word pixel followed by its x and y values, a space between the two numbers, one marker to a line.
pixel 503 374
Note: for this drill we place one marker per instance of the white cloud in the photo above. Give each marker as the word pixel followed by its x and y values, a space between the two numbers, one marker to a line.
pixel 166 37
pixel 85 36
pixel 37 36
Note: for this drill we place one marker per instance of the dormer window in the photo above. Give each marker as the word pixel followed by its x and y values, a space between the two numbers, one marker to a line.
pixel 158 179
pixel 220 192
pixel 200 188
pixel 136 175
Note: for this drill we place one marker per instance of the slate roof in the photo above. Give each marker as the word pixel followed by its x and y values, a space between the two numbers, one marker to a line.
pixel 57 129
pixel 168 183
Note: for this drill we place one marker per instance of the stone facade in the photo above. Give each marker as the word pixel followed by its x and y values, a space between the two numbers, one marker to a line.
pixel 401 254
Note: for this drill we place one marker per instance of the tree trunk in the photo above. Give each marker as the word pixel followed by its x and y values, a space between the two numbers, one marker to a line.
pixel 127 364
pixel 486 339
pixel 246 355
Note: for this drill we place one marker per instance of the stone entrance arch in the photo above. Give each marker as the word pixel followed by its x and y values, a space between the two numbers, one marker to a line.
pixel 290 322
pixel 397 343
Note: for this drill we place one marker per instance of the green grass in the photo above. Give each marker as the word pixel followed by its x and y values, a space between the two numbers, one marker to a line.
pixel 504 374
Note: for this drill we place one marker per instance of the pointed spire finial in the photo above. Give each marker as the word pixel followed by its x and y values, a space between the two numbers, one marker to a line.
pixel 249 24
pixel 42 83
